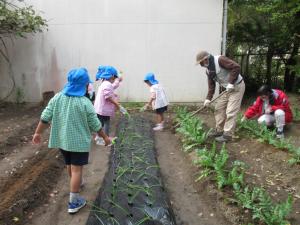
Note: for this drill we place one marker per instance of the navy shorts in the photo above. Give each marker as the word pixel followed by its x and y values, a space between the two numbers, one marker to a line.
pixel 161 110
pixel 75 158
pixel 103 119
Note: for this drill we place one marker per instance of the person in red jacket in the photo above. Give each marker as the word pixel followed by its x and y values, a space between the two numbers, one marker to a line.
pixel 271 107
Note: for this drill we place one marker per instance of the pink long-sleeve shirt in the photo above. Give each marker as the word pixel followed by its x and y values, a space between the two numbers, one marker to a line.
pixel 102 105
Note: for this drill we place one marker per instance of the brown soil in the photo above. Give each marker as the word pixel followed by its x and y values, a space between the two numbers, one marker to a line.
pixel 26 171
pixel 17 125
pixel 192 204
pixel 34 186
pixel 54 212
pixel 29 187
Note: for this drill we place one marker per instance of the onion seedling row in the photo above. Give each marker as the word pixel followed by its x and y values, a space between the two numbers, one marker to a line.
pixel 132 191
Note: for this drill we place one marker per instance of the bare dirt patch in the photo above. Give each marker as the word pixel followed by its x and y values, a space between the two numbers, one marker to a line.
pixel 29 187
pixel 26 171
pixel 17 123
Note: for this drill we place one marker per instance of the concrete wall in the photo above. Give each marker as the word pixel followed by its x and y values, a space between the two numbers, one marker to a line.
pixel 135 36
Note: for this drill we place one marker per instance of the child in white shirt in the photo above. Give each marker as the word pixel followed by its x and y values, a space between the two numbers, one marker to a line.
pixel 158 100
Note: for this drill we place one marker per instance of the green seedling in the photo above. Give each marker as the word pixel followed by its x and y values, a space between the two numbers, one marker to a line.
pixel 192 131
pixel 204 173
pixel 181 114
pixel 267 136
pixel 219 167
pixel 265 210
pixel 121 171
pixel 114 140
pixel 132 174
pixel 143 109
pixel 131 198
pixel 142 221
pixel 296 155
pixel 102 211
pixel 132 105
pixel 119 207
pixel 206 160
pixel 113 220
pixel 211 162
pixel 262 206
pixel 235 175
pixel 206 157
pixel 243 196
pixel 124 112
pixel 98 209
pixel 296 114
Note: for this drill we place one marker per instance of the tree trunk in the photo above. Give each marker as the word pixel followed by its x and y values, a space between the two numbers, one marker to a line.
pixel 269 57
pixel 242 63
pixel 287 83
pixel 247 63
pixel 289 76
pixel 278 63
pixel 297 85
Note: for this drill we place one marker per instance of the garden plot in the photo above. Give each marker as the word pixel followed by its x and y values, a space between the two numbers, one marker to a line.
pixel 17 125
pixel 26 171
pixel 33 181
pixel 259 179
pixel 34 193
pixel 133 192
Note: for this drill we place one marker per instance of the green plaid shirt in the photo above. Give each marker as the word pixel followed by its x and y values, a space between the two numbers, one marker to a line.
pixel 72 121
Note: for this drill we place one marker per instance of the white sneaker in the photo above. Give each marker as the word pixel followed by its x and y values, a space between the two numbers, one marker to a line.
pixel 279 134
pixel 158 127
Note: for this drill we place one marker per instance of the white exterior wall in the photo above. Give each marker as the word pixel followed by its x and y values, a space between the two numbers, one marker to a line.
pixel 135 36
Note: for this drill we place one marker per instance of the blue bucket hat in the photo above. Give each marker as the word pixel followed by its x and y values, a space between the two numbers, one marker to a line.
pixel 109 72
pixel 101 70
pixel 78 79
pixel 151 78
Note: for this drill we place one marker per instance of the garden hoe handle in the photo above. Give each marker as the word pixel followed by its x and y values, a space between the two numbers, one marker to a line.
pixel 202 107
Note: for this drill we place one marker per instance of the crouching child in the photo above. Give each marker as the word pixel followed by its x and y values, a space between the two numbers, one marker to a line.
pixel 271 108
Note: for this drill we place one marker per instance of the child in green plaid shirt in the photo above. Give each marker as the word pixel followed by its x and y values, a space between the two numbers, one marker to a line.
pixel 73 119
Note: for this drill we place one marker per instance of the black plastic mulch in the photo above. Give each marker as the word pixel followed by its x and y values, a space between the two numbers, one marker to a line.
pixel 132 191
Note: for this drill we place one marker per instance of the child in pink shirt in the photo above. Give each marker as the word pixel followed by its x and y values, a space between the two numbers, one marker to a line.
pixel 106 102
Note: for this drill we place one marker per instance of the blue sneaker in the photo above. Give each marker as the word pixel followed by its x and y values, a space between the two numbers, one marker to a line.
pixel 74 207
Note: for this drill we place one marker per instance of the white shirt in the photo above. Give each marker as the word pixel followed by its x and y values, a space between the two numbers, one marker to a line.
pixel 158 93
